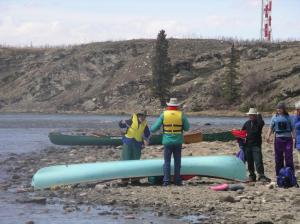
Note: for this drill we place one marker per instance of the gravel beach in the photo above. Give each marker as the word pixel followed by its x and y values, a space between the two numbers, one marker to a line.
pixel 256 203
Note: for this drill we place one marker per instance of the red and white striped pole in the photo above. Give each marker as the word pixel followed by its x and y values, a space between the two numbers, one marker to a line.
pixel 266 22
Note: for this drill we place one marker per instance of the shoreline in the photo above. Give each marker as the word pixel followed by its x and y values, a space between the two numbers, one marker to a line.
pixel 208 113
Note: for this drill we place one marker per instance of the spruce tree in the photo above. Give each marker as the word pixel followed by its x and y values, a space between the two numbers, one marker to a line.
pixel 161 69
pixel 230 87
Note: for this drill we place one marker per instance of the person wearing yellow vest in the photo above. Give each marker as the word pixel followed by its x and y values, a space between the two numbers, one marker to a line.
pixel 174 122
pixel 137 134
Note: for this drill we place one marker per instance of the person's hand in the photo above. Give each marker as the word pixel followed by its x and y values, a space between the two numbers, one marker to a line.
pixel 146 143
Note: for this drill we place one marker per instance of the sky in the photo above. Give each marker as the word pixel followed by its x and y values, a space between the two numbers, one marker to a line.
pixel 64 22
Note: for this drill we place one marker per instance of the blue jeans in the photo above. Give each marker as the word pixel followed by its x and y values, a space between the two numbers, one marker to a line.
pixel 168 150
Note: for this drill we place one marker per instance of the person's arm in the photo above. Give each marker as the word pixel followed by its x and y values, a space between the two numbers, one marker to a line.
pixel 270 130
pixel 125 123
pixel 292 123
pixel 260 121
pixel 186 124
pixel 244 126
pixel 147 135
pixel 156 126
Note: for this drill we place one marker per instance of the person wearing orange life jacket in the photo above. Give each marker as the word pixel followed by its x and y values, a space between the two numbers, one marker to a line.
pixel 174 122
pixel 137 134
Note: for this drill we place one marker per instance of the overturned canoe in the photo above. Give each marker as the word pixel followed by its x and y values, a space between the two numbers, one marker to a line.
pixel 225 167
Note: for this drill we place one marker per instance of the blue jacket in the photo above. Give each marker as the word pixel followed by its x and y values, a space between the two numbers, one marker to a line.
pixel 282 125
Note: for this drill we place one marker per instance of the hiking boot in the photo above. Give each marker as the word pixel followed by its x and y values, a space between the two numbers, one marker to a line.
pixel 135 182
pixel 179 183
pixel 124 182
pixel 165 184
pixel 251 179
pixel 264 179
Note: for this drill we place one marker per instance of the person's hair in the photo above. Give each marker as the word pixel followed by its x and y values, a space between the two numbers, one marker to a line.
pixel 285 113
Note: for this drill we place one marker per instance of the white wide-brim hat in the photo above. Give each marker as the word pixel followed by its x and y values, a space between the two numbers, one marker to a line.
pixel 252 111
pixel 173 102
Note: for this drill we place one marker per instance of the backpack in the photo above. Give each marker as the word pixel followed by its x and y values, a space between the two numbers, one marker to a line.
pixel 286 178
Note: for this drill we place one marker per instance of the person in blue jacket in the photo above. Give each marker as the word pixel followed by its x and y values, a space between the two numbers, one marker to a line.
pixel 281 125
pixel 296 124
pixel 174 122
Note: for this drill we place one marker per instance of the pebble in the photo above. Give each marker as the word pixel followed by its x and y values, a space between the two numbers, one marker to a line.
pixel 15 177
pixel 271 185
pixel 129 217
pixel 227 198
pixel 287 216
pixel 104 213
pixel 29 222
pixel 37 200
pixel 100 187
pixel 239 191
pixel 159 213
pixel 296 202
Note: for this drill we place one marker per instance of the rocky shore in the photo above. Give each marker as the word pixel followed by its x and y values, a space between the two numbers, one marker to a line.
pixel 256 203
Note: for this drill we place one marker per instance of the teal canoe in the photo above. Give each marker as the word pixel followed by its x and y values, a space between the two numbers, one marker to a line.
pixel 225 167
pixel 58 138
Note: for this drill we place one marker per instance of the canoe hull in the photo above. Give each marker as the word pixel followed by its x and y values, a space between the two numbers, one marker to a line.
pixel 62 139
pixel 226 167
pixel 58 138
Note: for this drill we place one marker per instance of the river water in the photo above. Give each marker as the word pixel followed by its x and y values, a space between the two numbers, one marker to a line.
pixel 24 133
pixel 21 133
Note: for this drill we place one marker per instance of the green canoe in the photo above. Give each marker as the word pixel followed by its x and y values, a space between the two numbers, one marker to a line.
pixel 58 138
pixel 224 136
pixel 225 167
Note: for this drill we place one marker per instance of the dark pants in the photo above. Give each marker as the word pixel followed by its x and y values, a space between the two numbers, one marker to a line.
pixel 283 151
pixel 254 156
pixel 131 151
pixel 168 151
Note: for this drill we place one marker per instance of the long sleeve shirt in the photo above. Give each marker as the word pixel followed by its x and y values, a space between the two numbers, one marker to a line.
pixel 254 131
pixel 170 139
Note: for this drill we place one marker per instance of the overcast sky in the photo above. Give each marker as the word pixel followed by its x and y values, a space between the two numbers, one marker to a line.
pixel 58 22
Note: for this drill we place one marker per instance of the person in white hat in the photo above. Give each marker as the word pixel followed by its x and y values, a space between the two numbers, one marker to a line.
pixel 174 122
pixel 296 124
pixel 252 148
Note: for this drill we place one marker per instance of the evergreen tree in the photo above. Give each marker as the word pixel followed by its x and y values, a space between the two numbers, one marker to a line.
pixel 161 69
pixel 230 87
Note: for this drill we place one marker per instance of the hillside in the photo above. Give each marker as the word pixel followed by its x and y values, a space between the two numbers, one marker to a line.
pixel 114 77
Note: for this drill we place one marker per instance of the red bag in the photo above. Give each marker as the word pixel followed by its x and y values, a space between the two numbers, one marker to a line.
pixel 239 133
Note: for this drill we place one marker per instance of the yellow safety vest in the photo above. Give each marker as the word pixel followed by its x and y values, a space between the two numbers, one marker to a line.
pixel 136 131
pixel 172 122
